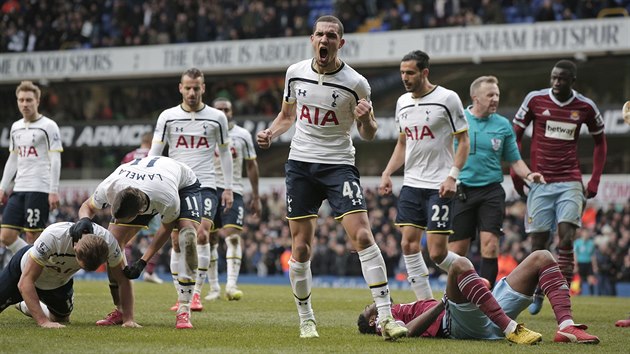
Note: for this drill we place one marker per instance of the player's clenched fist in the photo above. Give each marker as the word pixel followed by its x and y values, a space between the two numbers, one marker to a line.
pixel 626 112
pixel 363 109
pixel 263 138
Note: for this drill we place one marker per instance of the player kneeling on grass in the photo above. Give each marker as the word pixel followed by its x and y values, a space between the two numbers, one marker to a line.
pixel 462 313
pixel 44 272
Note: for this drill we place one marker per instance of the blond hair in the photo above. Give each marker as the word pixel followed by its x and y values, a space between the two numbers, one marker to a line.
pixel 480 80
pixel 28 86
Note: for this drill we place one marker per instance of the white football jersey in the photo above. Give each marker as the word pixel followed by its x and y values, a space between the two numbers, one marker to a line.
pixel 32 141
pixel 241 148
pixel 325 112
pixel 429 124
pixel 192 138
pixel 54 251
pixel 159 177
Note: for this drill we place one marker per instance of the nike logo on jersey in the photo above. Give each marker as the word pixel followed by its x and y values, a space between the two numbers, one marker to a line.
pixel 312 115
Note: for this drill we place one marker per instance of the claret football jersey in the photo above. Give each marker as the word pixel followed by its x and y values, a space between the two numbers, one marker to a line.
pixel 556 129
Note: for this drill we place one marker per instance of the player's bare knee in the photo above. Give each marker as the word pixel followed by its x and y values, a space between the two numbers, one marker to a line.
pixel 8 236
pixel 461 265
pixel 539 242
pixel 364 238
pixel 234 240
pixel 490 250
pixel 301 251
pixel 542 256
pixel 203 236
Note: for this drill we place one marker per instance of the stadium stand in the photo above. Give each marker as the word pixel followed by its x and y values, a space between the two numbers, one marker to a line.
pixel 51 25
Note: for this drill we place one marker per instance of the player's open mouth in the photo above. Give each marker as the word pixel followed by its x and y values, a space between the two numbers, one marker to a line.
pixel 323 53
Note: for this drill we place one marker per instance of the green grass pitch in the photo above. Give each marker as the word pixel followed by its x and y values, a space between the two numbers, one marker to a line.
pixel 265 321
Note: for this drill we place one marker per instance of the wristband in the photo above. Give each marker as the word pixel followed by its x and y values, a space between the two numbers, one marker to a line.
pixel 454 172
pixel 529 174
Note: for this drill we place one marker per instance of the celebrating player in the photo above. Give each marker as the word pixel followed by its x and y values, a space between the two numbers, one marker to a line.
pixel 327 97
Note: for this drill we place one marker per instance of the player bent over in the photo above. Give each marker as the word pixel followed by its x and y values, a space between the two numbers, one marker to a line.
pixel 39 277
pixel 137 191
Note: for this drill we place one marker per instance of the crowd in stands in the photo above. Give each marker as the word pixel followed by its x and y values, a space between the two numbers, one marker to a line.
pixel 28 25
pixel 267 241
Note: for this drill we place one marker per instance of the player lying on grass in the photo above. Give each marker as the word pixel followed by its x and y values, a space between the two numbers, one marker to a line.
pixel 460 315
pixel 44 272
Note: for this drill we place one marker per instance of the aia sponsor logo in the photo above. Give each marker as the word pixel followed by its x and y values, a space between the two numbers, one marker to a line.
pixel 27 151
pixel 192 142
pixel 316 116
pixel 419 133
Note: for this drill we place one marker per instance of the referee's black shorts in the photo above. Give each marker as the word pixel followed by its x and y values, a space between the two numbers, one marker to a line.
pixel 482 210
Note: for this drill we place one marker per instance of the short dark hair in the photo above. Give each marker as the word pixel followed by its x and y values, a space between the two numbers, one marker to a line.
pixel 193 73
pixel 567 65
pixel 421 58
pixel 92 251
pixel 364 325
pixel 332 19
pixel 127 203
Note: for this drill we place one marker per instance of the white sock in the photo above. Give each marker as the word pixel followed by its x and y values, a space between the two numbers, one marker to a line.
pixel 213 269
pixel 203 256
pixel 301 283
pixel 375 274
pixel 17 245
pixel 185 285
pixel 511 327
pixel 565 324
pixel 233 258
pixel 174 267
pixel 418 276
pixel 448 260
pixel 188 260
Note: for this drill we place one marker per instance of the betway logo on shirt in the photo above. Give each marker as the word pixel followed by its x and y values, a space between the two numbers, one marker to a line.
pixel 560 130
